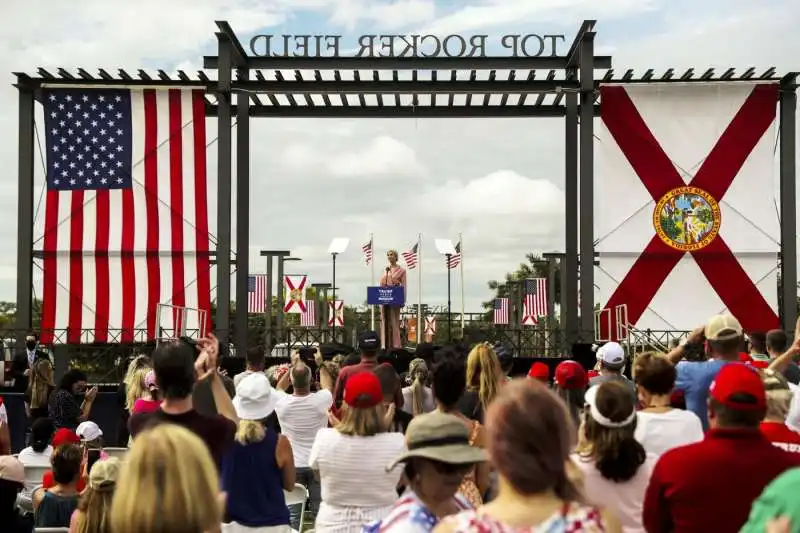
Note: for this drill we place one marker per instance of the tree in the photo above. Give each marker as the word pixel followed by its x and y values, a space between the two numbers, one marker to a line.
pixel 533 267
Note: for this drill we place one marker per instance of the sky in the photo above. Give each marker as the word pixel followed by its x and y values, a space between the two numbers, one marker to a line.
pixel 497 182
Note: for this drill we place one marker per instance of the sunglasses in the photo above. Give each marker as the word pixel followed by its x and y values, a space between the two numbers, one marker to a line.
pixel 450 469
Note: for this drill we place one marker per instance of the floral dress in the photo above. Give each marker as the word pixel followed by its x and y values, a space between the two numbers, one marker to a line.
pixel 469 489
pixel 572 518
pixel 410 515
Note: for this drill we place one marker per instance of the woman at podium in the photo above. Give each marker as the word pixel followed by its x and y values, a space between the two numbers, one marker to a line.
pixel 394 276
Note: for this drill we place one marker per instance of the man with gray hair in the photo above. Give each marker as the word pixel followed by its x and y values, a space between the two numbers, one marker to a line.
pixel 301 415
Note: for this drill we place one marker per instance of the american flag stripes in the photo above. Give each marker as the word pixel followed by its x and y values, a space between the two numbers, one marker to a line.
pixel 257 293
pixel 126 213
pixel 534 303
pixel 410 257
pixel 455 259
pixel 367 249
pixel 308 318
pixel 500 307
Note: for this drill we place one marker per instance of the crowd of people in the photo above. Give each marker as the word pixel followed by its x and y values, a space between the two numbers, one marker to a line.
pixel 704 438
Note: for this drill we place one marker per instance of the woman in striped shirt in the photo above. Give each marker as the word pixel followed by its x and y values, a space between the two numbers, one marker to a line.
pixel 351 460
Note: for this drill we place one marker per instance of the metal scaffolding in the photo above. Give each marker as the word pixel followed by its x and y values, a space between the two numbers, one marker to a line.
pixel 366 87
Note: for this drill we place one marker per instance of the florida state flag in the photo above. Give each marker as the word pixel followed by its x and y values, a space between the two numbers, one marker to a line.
pixel 294 294
pixel 685 220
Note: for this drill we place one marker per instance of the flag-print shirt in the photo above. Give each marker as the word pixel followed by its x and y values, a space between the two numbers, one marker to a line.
pixel 410 515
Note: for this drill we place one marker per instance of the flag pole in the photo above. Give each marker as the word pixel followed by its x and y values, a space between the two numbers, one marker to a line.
pixel 461 267
pixel 420 326
pixel 372 280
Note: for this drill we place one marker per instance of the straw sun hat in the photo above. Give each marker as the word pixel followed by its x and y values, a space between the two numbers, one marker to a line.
pixel 439 437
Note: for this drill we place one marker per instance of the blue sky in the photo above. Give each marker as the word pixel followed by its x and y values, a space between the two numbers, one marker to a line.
pixel 499 181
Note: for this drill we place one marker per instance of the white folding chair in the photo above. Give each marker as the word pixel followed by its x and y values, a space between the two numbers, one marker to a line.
pixel 298 496
pixel 119 453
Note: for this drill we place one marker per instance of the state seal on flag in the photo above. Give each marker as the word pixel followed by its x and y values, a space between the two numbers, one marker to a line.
pixel 296 295
pixel 687 218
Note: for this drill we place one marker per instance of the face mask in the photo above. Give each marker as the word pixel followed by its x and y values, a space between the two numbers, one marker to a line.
pixel 31 345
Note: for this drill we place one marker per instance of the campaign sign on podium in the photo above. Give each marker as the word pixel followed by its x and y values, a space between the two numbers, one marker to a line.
pixel 386 296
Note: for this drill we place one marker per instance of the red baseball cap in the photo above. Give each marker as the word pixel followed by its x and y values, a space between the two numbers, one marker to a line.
pixel 540 371
pixel 363 390
pixel 65 436
pixel 762 365
pixel 570 375
pixel 736 378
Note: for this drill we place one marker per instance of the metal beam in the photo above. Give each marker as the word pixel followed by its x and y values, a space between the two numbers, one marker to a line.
pixel 269 254
pixel 238 55
pixel 788 162
pixel 461 111
pixel 586 144
pixel 224 147
pixel 572 54
pixel 404 87
pixel 406 63
pixel 569 264
pixel 25 198
pixel 242 213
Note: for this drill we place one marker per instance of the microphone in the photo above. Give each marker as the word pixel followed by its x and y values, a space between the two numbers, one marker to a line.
pixel 388 270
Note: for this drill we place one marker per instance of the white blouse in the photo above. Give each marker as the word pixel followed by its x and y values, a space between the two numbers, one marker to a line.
pixel 355 487
pixel 625 500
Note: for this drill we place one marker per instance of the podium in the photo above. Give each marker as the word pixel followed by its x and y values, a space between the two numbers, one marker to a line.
pixel 394 296
pixel 386 297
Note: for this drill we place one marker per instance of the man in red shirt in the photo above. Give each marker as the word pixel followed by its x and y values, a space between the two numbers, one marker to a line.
pixel 368 344
pixel 710 485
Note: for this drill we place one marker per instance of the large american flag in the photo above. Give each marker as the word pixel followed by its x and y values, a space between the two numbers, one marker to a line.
pixel 308 318
pixel 410 257
pixel 367 249
pixel 126 212
pixel 257 293
pixel 534 303
pixel 455 259
pixel 500 307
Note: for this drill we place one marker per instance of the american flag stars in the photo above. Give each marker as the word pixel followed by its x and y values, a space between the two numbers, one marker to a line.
pixel 89 135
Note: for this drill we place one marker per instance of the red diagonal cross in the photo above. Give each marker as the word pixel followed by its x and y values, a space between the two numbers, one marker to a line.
pixel 291 303
pixel 659 176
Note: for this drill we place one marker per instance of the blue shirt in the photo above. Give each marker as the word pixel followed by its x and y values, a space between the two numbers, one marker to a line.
pixel 694 378
pixel 254 483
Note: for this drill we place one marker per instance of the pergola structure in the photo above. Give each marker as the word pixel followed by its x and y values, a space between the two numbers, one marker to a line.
pixel 369 87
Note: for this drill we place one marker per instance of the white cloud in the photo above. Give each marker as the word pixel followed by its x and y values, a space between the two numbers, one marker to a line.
pixel 381 157
pixel 501 193
pixel 489 14
pixel 388 15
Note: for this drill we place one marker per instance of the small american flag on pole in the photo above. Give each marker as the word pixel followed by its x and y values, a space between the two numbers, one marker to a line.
pixel 126 211
pixel 500 307
pixel 410 257
pixel 308 318
pixel 534 303
pixel 256 293
pixel 455 259
pixel 367 249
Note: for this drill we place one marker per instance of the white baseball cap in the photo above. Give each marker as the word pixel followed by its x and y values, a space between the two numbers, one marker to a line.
pixel 611 355
pixel 89 431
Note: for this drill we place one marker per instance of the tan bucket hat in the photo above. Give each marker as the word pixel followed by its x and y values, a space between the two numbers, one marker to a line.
pixel 439 437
